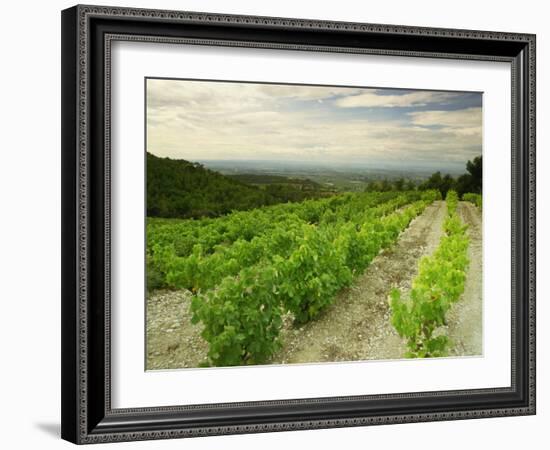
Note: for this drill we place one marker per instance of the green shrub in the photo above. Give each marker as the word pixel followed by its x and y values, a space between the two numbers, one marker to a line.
pixel 476 199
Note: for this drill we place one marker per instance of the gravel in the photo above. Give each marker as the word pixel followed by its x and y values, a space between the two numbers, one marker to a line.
pixel 172 340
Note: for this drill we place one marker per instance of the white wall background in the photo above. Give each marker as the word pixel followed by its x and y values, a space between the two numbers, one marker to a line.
pixel 30 224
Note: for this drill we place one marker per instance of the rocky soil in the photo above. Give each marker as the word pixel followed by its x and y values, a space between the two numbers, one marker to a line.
pixel 172 340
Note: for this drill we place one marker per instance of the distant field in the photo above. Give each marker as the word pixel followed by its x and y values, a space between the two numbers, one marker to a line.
pixel 260 179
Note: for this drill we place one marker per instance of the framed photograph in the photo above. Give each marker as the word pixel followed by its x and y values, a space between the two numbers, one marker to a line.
pixel 277 224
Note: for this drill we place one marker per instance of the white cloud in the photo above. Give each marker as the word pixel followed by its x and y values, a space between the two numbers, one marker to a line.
pixel 375 99
pixel 205 120
pixel 318 93
pixel 461 118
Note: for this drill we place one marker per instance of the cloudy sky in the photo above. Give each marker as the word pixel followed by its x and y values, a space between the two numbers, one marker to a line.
pixel 204 120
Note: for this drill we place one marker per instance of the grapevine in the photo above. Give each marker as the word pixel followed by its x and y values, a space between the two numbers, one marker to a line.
pixel 439 284
pixel 473 198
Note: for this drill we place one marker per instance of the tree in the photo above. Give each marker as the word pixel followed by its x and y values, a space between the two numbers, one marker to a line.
pixel 468 182
pixel 385 185
pixel 410 186
pixel 436 181
pixel 464 184
pixel 471 181
pixel 372 186
pixel 447 183
pixel 399 184
pixel 475 168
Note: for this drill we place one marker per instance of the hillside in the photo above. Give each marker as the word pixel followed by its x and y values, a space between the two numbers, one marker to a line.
pixel 179 188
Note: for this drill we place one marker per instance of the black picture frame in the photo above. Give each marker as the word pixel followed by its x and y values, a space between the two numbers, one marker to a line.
pixel 87 416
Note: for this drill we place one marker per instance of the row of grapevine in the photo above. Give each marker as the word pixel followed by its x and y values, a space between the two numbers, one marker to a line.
pixel 242 314
pixel 221 250
pixel 473 198
pixel 439 284
pixel 201 270
pixel 184 234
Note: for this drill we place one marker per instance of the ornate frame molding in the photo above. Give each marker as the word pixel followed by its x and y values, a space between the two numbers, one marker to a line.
pixel 80 418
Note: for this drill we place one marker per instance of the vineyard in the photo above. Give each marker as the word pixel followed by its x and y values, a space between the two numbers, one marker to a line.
pixel 251 284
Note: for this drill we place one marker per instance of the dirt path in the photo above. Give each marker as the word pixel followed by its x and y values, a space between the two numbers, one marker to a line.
pixel 172 340
pixel 357 326
pixel 465 316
